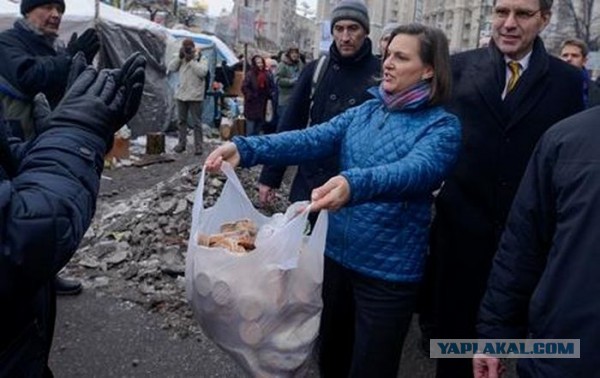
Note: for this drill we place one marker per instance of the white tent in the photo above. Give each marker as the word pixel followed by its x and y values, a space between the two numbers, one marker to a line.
pixel 121 34
pixel 79 15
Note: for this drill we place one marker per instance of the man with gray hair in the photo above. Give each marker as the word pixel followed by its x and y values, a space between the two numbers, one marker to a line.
pixel 506 96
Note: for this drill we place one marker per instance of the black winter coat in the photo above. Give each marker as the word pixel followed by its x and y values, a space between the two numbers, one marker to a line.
pixel 48 190
pixel 343 85
pixel 32 65
pixel 544 281
pixel 498 139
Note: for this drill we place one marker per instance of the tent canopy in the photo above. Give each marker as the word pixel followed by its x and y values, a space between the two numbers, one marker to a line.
pixel 121 34
pixel 79 15
pixel 224 53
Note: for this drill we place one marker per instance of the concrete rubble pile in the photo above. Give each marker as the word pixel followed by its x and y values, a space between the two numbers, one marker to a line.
pixel 135 248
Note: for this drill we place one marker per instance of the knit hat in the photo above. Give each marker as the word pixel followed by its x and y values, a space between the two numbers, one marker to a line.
pixel 355 10
pixel 28 5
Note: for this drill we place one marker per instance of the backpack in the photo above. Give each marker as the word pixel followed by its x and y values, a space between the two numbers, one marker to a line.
pixel 18 111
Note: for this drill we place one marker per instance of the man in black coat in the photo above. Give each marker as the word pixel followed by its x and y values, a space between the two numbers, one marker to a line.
pixel 544 279
pixel 34 60
pixel 48 191
pixel 345 75
pixel 342 80
pixel 503 115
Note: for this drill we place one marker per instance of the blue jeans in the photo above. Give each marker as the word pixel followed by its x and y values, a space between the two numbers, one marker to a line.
pixel 254 127
pixel 364 323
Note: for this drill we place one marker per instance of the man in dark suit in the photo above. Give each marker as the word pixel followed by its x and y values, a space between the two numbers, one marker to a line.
pixel 506 95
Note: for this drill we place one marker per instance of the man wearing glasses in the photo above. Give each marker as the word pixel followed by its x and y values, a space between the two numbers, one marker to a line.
pixel 506 95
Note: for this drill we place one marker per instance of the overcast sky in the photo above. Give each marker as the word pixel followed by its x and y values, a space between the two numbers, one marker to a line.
pixel 215 6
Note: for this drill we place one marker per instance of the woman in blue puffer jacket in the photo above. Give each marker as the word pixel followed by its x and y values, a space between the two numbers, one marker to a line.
pixel 395 150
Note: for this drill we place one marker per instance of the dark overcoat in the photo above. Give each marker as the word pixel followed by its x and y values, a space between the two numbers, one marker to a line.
pixel 343 84
pixel 544 279
pixel 498 139
pixel 32 65
pixel 48 191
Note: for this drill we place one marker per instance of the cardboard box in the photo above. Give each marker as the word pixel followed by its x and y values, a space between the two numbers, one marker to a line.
pixel 120 149
pixel 236 87
pixel 228 128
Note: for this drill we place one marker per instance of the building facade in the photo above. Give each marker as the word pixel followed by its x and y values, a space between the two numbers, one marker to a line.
pixel 465 22
pixel 278 22
pixel 381 12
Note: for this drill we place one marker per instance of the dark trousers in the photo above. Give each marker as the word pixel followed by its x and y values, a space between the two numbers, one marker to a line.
pixel 192 111
pixel 254 126
pixel 364 323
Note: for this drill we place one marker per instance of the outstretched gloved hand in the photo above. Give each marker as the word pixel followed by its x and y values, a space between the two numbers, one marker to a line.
pixel 101 102
pixel 88 43
pixel 132 77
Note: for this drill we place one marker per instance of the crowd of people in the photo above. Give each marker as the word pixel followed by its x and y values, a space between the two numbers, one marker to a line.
pixel 461 187
pixel 505 96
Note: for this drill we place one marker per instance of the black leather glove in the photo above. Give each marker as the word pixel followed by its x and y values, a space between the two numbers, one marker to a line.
pixel 41 107
pixel 93 103
pixel 102 102
pixel 132 77
pixel 78 65
pixel 88 43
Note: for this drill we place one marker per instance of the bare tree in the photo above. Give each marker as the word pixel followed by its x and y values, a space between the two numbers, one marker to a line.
pixel 305 10
pixel 152 6
pixel 583 15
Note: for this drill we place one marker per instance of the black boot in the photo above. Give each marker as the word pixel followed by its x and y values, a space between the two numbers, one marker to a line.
pixel 64 286
pixel 182 135
pixel 198 141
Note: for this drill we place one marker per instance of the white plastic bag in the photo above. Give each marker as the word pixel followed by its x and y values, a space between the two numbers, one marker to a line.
pixel 263 307
pixel 270 111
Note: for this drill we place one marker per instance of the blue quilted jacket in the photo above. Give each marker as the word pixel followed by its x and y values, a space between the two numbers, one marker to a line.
pixel 392 161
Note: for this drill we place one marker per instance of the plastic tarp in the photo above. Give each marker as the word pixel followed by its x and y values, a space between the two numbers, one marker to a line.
pixel 121 34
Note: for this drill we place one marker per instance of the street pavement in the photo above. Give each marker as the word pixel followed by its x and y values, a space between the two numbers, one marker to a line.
pixel 101 336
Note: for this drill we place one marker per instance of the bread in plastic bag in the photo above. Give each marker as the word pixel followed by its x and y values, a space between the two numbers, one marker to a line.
pixel 262 307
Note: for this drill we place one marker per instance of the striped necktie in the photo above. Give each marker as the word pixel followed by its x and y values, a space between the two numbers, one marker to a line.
pixel 515 74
